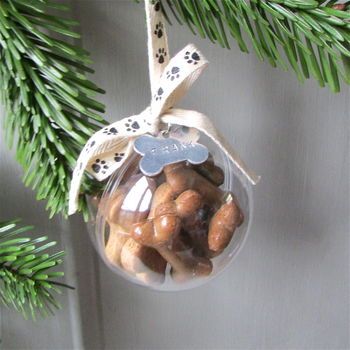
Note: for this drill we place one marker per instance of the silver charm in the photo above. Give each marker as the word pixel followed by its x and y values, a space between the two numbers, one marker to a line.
pixel 159 152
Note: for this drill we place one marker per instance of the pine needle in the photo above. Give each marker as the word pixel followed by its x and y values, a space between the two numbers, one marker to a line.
pixel 27 271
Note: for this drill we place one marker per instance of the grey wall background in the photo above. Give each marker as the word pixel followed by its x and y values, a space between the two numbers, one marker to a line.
pixel 289 287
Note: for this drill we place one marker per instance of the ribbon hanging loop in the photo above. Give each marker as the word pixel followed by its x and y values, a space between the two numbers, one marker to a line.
pixel 170 79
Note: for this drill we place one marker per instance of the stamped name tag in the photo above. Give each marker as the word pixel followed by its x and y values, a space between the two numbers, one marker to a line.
pixel 158 152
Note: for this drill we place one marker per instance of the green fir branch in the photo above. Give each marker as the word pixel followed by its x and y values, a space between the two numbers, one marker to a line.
pixel 28 272
pixel 51 109
pixel 313 36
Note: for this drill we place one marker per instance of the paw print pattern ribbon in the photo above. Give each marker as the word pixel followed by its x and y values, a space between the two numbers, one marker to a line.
pixel 170 79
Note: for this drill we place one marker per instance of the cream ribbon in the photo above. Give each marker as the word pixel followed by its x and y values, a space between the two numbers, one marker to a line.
pixel 170 79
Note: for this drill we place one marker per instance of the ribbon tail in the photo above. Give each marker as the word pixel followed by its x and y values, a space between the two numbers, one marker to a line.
pixel 114 162
pixel 107 150
pixel 194 119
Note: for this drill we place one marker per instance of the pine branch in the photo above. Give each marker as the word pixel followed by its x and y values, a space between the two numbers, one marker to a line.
pixel 27 271
pixel 314 35
pixel 51 109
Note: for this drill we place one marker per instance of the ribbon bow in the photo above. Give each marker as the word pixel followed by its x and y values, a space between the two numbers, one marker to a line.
pixel 170 79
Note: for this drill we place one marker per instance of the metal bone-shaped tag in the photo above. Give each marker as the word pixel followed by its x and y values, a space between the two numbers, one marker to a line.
pixel 159 152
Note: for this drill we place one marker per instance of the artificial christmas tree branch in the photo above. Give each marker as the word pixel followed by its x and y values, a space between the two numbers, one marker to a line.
pixel 50 104
pixel 314 35
pixel 27 278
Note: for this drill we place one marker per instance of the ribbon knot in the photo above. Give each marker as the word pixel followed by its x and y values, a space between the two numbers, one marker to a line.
pixel 170 79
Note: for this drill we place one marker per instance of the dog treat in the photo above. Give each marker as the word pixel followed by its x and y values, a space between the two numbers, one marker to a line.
pixel 179 218
pixel 114 207
pixel 194 267
pixel 158 231
pixel 182 242
pixel 115 243
pixel 163 194
pixel 123 211
pixel 125 208
pixel 181 178
pixel 143 262
pixel 185 267
pixel 211 172
pixel 197 226
pixel 223 225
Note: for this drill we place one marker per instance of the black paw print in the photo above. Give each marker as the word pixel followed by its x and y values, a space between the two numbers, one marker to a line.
pixel 173 73
pixel 118 157
pixel 158 95
pixel 146 122
pixel 89 146
pixel 192 58
pixel 99 165
pixel 159 30
pixel 160 55
pixel 156 5
pixel 111 131
pixel 132 127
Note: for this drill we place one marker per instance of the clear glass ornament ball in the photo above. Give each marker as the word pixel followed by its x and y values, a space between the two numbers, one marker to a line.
pixel 176 230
